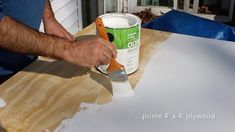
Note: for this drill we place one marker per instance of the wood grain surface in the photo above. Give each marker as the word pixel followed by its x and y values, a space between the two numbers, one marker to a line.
pixel 48 91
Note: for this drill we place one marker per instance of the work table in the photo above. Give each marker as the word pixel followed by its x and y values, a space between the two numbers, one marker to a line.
pixel 48 91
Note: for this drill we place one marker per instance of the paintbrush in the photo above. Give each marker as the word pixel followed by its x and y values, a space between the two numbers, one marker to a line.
pixel 116 72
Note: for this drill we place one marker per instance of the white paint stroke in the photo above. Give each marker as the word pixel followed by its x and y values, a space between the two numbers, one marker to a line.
pixel 2 103
pixel 188 76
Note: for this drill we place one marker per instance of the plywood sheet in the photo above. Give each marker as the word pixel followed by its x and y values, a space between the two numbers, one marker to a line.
pixel 48 91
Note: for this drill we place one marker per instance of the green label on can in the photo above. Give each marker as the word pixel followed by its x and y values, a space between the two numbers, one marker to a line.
pixel 125 38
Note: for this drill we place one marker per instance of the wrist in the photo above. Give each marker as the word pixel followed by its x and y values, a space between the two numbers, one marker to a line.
pixel 63 50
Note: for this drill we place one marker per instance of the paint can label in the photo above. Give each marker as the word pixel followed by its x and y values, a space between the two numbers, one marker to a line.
pixel 127 42
pixel 124 31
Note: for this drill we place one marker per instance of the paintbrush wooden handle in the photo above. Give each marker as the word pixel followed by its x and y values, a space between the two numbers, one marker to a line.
pixel 101 30
pixel 114 65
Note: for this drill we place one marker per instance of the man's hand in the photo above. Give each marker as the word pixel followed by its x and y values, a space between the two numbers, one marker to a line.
pixel 52 26
pixel 90 51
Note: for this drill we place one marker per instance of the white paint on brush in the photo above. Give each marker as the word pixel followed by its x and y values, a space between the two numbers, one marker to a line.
pixel 2 103
pixel 122 89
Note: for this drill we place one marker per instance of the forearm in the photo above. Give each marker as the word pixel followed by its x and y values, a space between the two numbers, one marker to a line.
pixel 48 13
pixel 16 37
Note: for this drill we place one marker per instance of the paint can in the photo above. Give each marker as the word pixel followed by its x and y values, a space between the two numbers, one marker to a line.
pixel 123 30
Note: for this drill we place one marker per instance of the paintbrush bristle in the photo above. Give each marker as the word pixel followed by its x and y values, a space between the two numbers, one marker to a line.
pixel 120 84
pixel 122 88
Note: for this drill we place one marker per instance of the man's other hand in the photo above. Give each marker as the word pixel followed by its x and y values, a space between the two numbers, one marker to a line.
pixel 53 27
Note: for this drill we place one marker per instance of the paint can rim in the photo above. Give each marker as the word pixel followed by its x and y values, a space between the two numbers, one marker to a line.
pixel 122 15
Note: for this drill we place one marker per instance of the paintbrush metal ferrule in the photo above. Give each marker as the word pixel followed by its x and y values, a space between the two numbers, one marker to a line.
pixel 118 76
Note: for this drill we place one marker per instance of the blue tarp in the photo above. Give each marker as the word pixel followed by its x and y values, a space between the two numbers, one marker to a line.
pixel 184 23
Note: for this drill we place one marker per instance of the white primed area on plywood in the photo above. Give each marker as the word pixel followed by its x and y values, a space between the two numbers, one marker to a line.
pixel 67 13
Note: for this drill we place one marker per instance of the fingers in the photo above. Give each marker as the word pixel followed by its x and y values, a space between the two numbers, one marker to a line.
pixel 107 56
pixel 60 31
pixel 69 36
pixel 104 52
pixel 101 55
pixel 65 34
pixel 111 47
pixel 89 52
pixel 103 61
pixel 113 50
pixel 108 51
